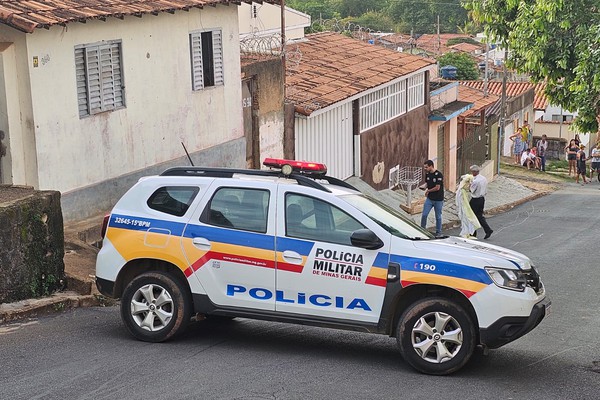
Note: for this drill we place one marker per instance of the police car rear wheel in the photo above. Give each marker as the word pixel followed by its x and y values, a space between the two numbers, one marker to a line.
pixel 436 336
pixel 155 307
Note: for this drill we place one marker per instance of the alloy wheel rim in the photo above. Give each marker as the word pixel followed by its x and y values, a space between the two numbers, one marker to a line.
pixel 152 307
pixel 437 337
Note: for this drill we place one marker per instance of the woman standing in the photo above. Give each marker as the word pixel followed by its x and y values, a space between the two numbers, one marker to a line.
pixel 572 150
pixel 517 139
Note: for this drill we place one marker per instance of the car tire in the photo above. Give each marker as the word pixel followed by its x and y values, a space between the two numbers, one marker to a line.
pixel 155 307
pixel 436 336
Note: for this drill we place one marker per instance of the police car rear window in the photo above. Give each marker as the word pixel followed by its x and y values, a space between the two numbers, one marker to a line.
pixel 174 200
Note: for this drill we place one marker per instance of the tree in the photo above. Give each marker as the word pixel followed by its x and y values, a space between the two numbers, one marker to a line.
pixel 466 69
pixel 375 20
pixel 420 16
pixel 557 41
pixel 315 8
pixel 355 8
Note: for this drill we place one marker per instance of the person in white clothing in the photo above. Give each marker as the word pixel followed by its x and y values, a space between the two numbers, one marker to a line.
pixel 527 159
pixel 477 203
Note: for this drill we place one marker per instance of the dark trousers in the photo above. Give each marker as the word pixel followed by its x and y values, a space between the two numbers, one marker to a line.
pixel 477 205
pixel 543 159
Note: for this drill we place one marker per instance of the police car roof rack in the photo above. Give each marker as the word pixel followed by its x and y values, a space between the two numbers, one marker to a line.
pixel 304 179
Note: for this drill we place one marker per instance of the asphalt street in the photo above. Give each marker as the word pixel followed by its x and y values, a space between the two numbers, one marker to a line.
pixel 86 353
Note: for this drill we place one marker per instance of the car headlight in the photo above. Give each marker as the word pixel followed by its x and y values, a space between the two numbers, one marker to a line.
pixel 508 278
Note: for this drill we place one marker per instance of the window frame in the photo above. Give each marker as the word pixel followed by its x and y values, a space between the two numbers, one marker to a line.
pixel 415 91
pixel 194 190
pixel 320 234
pixel 202 64
pixel 207 218
pixel 383 105
pixel 110 75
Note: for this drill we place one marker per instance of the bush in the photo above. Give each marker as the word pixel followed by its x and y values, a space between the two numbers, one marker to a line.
pixel 556 165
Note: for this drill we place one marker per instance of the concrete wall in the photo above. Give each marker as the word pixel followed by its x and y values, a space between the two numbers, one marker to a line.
pixel 402 141
pixel 31 245
pixel 269 77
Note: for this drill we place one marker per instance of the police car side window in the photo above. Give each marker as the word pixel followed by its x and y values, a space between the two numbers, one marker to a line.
pixel 238 208
pixel 313 219
pixel 174 200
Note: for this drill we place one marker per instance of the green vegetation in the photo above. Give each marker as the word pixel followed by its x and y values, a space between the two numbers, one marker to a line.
pixel 404 16
pixel 466 69
pixel 555 41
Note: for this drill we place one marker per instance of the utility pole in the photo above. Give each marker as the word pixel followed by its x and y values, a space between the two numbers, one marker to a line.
pixel 502 110
pixel 283 63
pixel 485 78
pixel 439 41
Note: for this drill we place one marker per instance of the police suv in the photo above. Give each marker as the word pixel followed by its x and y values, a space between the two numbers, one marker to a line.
pixel 292 244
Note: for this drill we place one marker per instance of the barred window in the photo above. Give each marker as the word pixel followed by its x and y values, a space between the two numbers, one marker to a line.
pixel 416 91
pixel 206 51
pixel 382 105
pixel 99 77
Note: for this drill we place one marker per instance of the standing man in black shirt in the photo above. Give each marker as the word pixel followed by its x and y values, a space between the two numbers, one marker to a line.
pixel 435 196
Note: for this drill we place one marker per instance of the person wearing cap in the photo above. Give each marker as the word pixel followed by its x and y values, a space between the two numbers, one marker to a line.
pixel 477 203
pixel 581 168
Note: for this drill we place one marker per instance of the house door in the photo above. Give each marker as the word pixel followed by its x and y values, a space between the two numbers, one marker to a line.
pixel 7 89
pixel 441 148
pixel 250 111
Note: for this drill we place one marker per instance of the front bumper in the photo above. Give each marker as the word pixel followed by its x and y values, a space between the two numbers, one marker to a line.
pixel 105 287
pixel 507 329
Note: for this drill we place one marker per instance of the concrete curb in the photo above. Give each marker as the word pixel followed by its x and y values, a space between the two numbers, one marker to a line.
pixel 58 302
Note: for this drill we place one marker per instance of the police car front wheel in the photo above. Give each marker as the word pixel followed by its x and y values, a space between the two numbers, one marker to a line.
pixel 154 307
pixel 436 336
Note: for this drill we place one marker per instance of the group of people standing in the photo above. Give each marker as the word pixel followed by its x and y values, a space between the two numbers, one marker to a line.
pixel 577 159
pixel 470 201
pixel 525 153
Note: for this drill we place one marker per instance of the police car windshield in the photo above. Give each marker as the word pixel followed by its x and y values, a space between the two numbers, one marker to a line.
pixel 388 218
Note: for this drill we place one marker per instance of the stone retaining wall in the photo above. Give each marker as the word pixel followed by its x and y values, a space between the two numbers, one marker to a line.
pixel 31 243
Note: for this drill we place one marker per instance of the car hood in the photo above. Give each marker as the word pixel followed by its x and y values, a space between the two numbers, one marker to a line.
pixel 474 252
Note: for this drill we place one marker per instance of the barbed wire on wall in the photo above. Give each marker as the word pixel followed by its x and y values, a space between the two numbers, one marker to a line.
pixel 348 28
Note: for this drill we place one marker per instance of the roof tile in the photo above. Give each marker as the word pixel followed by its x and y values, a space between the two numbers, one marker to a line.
pixel 335 67
pixel 27 15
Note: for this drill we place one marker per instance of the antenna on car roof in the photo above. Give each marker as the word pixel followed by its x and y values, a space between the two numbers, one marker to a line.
pixel 187 154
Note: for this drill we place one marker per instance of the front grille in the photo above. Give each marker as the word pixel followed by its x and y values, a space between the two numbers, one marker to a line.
pixel 533 280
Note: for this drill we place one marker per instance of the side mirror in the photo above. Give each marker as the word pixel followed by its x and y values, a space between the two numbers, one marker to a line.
pixel 366 239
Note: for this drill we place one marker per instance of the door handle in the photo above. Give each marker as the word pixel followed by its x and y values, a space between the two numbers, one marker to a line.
pixel 292 257
pixel 201 243
pixel 393 272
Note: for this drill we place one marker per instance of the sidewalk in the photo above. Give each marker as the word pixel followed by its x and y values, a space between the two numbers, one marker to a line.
pixel 504 192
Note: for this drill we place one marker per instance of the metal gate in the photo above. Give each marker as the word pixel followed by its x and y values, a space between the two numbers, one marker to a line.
pixel 327 138
pixel 472 149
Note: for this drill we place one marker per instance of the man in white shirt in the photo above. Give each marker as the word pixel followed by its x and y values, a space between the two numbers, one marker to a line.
pixel 477 203
pixel 542 146
pixel 528 159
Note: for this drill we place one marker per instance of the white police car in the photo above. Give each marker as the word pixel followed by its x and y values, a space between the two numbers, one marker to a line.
pixel 294 245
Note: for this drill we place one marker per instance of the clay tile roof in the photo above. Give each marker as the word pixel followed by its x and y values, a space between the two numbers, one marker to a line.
pixel 466 47
pixel 27 15
pixel 475 96
pixel 540 101
pixel 333 67
pixel 513 89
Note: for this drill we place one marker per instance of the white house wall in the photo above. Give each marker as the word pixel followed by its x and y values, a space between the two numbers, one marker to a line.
pixel 18 122
pixel 268 21
pixel 161 109
pixel 327 138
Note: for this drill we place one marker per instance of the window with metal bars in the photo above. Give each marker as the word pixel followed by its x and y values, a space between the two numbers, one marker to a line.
pixel 99 75
pixel 382 105
pixel 416 91
pixel 206 52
